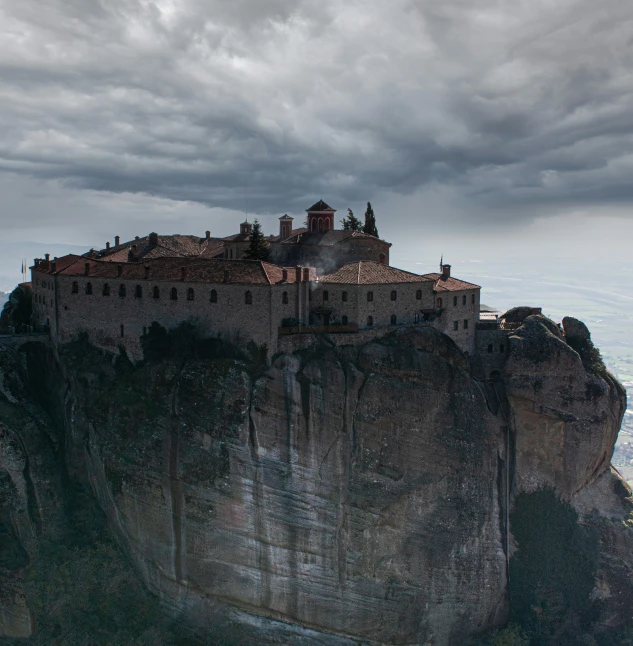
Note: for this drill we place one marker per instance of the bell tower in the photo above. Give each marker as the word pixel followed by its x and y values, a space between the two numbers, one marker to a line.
pixel 320 217
pixel 285 227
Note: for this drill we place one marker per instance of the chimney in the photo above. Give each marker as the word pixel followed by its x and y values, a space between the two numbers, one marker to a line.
pixel 146 271
pixel 137 238
pixel 48 257
pixel 153 239
pixel 53 266
pixel 306 274
pixel 117 239
pixel 107 244
pixel 208 234
pixel 298 274
pixel 86 268
pixel 284 275
pixel 183 273
pixel 446 271
pixel 119 270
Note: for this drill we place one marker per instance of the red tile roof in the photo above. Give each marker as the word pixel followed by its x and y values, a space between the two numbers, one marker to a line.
pixel 170 246
pixel 371 273
pixel 450 284
pixel 60 264
pixel 327 238
pixel 210 270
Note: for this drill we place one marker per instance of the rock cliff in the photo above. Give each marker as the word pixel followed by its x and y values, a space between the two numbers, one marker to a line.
pixel 338 495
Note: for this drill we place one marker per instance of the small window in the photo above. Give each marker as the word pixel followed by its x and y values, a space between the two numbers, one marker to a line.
pixel 382 259
pixel 344 297
pixel 231 254
pixel 173 295
pixel 326 295
pixel 490 348
pixel 122 290
pixel 284 298
pixel 370 296
pixel 472 299
pixel 465 324
pixel 502 348
pixel 344 320
pixel 393 319
pixel 138 292
pixel 454 301
pixel 455 325
pixel 214 296
pixel 248 298
pixel 122 331
pixel 106 290
pixel 416 318
pixel 370 321
pixel 190 294
pixel 418 295
pixel 394 295
pixel 464 299
pixel 89 289
pixel 438 302
pixel 75 287
pixel 156 292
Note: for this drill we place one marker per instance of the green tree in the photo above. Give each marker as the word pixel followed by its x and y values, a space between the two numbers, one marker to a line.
pixel 351 222
pixel 258 248
pixel 370 221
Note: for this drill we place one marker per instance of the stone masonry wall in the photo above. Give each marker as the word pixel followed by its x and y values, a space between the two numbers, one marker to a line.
pixel 459 307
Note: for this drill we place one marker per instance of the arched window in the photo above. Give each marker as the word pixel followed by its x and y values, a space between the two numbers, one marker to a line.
pixel 214 296
pixel 344 297
pixel 326 224
pixel 438 302
pixel 122 290
pixel 326 295
pixel 490 348
pixel 138 292
pixel 502 348
pixel 173 295
pixel 394 294
pixel 464 299
pixel 370 321
pixel 106 289
pixel 248 298
pixel 284 298
pixel 418 295
pixel 75 287
pixel 344 320
pixel 156 292
pixel 320 224
pixel 382 259
pixel 89 289
pixel 370 296
pixel 454 301
pixel 393 319
pixel 455 325
pixel 190 294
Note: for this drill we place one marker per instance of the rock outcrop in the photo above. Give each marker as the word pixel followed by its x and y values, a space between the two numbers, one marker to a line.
pixel 340 495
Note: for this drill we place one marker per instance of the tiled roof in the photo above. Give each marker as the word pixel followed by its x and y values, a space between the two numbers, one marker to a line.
pixel 60 264
pixel 371 273
pixel 326 238
pixel 320 206
pixel 293 233
pixel 170 246
pixel 211 270
pixel 450 284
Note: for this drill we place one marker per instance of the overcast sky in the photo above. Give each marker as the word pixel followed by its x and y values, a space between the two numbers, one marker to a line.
pixel 125 116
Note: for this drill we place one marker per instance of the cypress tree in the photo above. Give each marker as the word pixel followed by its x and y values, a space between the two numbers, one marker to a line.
pixel 258 248
pixel 351 222
pixel 370 221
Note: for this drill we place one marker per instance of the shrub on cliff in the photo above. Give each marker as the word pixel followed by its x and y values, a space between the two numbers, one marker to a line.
pixel 18 309
pixel 552 573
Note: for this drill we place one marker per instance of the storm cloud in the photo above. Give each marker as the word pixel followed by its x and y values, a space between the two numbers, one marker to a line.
pixel 506 106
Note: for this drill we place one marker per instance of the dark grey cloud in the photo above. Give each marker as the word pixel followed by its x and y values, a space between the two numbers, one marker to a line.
pixel 503 104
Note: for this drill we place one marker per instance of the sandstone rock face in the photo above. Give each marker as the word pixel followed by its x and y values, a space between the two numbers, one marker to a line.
pixel 341 495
